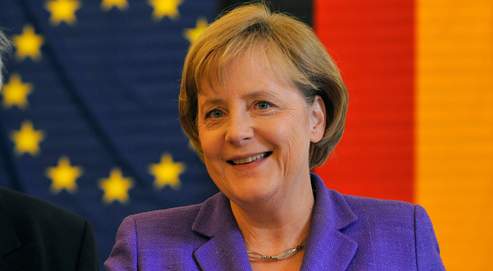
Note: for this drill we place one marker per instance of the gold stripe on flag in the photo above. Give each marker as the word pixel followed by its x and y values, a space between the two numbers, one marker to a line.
pixel 454 132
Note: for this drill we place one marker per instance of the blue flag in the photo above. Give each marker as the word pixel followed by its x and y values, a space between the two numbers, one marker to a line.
pixel 88 115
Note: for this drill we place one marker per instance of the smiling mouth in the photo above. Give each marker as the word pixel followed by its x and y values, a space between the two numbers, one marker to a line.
pixel 249 159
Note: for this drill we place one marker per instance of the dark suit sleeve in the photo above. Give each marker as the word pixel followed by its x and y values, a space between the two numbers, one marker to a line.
pixel 87 253
pixel 427 250
pixel 123 256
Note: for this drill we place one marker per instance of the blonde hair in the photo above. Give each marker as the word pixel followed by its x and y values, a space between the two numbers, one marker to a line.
pixel 289 43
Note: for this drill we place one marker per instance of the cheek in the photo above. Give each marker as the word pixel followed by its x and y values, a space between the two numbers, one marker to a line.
pixel 211 145
pixel 206 145
pixel 204 137
pixel 291 137
pixel 210 156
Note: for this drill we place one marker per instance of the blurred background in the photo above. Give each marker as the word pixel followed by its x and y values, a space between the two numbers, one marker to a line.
pixel 88 114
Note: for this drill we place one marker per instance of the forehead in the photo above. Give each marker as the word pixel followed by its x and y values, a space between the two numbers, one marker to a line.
pixel 254 68
pixel 249 78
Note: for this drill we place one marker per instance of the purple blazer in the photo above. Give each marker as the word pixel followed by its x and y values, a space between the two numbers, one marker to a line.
pixel 347 233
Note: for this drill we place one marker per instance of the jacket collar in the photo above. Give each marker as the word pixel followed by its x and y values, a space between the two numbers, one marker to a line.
pixel 225 250
pixel 327 247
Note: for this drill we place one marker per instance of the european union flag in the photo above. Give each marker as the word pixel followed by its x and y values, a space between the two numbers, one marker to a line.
pixel 88 114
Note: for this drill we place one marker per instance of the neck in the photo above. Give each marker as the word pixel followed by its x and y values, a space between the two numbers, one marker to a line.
pixel 277 224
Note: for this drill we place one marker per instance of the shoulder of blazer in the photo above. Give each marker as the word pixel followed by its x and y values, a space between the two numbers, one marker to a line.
pixel 192 223
pixel 166 221
pixel 21 208
pixel 388 213
pixel 49 236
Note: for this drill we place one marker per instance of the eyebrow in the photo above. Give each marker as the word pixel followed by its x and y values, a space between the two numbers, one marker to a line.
pixel 209 102
pixel 249 96
pixel 261 94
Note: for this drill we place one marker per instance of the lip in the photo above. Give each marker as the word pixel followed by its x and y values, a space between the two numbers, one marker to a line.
pixel 251 164
pixel 243 156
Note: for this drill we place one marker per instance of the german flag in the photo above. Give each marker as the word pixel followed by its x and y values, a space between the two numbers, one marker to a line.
pixel 420 122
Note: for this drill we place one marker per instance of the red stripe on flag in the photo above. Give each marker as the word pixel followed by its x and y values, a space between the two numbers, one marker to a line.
pixel 373 44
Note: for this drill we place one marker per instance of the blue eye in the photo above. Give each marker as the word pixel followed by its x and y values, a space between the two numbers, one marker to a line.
pixel 214 113
pixel 263 105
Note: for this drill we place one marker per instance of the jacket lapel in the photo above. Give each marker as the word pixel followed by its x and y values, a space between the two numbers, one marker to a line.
pixel 328 248
pixel 225 250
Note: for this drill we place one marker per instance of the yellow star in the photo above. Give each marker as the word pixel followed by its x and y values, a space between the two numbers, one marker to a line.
pixel 62 11
pixel 164 8
pixel 192 34
pixel 63 176
pixel 115 187
pixel 167 172
pixel 28 44
pixel 15 92
pixel 27 139
pixel 109 4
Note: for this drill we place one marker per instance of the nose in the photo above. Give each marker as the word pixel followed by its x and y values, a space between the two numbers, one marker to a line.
pixel 239 129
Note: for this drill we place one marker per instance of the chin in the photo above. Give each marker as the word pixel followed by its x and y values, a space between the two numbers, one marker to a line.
pixel 252 194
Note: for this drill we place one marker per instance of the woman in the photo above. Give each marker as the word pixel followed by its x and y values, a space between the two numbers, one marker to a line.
pixel 262 104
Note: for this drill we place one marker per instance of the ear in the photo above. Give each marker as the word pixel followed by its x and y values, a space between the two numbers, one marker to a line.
pixel 318 116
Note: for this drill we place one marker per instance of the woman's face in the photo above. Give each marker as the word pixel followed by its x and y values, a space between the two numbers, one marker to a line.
pixel 255 131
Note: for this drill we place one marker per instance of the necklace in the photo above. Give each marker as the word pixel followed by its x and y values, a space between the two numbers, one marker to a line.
pixel 288 253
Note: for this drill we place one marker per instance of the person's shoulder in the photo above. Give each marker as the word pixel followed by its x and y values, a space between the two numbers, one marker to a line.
pixel 378 205
pixel 177 221
pixel 21 208
pixel 178 215
pixel 389 213
pixel 182 214
pixel 391 225
pixel 58 237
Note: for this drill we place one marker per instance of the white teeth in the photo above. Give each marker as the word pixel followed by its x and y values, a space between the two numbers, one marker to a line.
pixel 249 159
